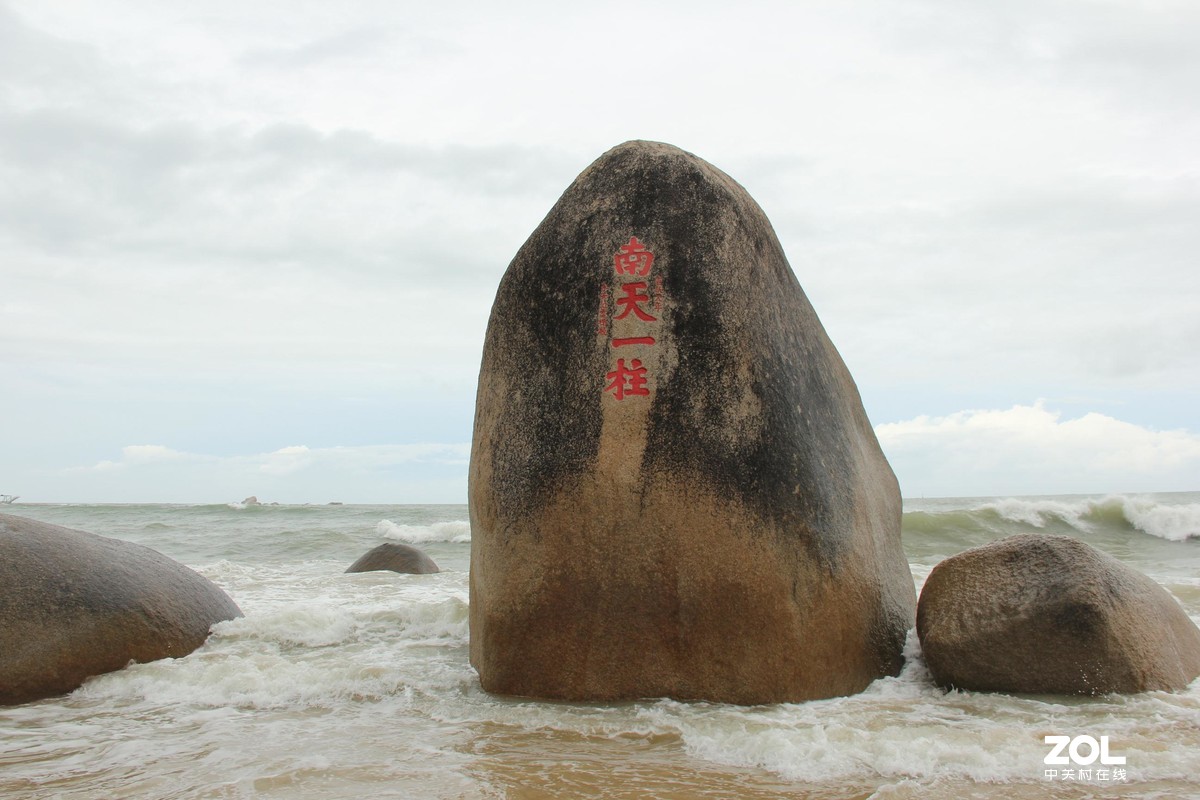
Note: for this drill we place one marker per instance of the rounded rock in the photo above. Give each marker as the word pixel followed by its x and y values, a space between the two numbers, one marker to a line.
pixel 1042 614
pixel 74 605
pixel 397 558
pixel 674 488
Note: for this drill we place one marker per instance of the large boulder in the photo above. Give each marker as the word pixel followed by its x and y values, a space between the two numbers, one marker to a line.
pixel 74 605
pixel 395 557
pixel 674 489
pixel 1044 614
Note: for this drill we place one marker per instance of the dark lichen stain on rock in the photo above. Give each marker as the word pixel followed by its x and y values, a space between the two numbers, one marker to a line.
pixel 685 435
pixel 1077 619
pixel 545 314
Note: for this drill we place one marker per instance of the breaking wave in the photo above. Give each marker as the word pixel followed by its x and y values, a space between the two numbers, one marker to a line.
pixel 1089 518
pixel 457 531
pixel 1114 513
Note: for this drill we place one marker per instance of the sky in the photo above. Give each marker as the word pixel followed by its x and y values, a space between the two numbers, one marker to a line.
pixel 250 248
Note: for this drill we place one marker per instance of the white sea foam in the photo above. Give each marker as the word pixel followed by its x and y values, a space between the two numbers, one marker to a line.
pixel 896 729
pixel 848 738
pixel 906 728
pixel 1174 522
pixel 304 624
pixel 263 678
pixel 457 531
pixel 365 641
pixel 1152 516
pixel 427 623
pixel 1037 513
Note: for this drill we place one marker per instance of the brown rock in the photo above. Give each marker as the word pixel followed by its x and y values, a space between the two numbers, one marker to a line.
pixel 674 489
pixel 397 558
pixel 74 605
pixel 1047 614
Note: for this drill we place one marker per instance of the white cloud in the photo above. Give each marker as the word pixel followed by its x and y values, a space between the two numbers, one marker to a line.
pixel 152 454
pixel 138 456
pixel 422 472
pixel 1034 450
pixel 287 460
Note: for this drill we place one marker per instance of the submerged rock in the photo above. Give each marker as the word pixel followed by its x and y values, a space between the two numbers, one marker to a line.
pixel 74 605
pixel 1045 614
pixel 674 489
pixel 397 558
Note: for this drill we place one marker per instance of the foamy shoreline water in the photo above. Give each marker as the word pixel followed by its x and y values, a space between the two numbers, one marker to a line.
pixel 338 685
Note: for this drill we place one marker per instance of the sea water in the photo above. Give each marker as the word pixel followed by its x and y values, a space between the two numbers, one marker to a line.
pixel 339 685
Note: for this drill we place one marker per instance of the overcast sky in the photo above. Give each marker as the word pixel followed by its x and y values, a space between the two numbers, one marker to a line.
pixel 250 247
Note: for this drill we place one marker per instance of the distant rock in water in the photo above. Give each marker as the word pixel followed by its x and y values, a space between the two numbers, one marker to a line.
pixel 674 489
pixel 252 500
pixel 74 605
pixel 397 558
pixel 1041 614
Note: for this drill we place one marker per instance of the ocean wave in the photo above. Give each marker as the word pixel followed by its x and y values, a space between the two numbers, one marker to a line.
pixel 361 645
pixel 268 679
pixel 457 531
pixel 1146 515
pixel 308 625
pixel 904 728
pixel 1175 523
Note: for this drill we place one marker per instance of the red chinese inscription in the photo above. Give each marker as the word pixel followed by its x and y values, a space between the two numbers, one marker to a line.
pixel 625 381
pixel 635 296
pixel 633 303
pixel 633 258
